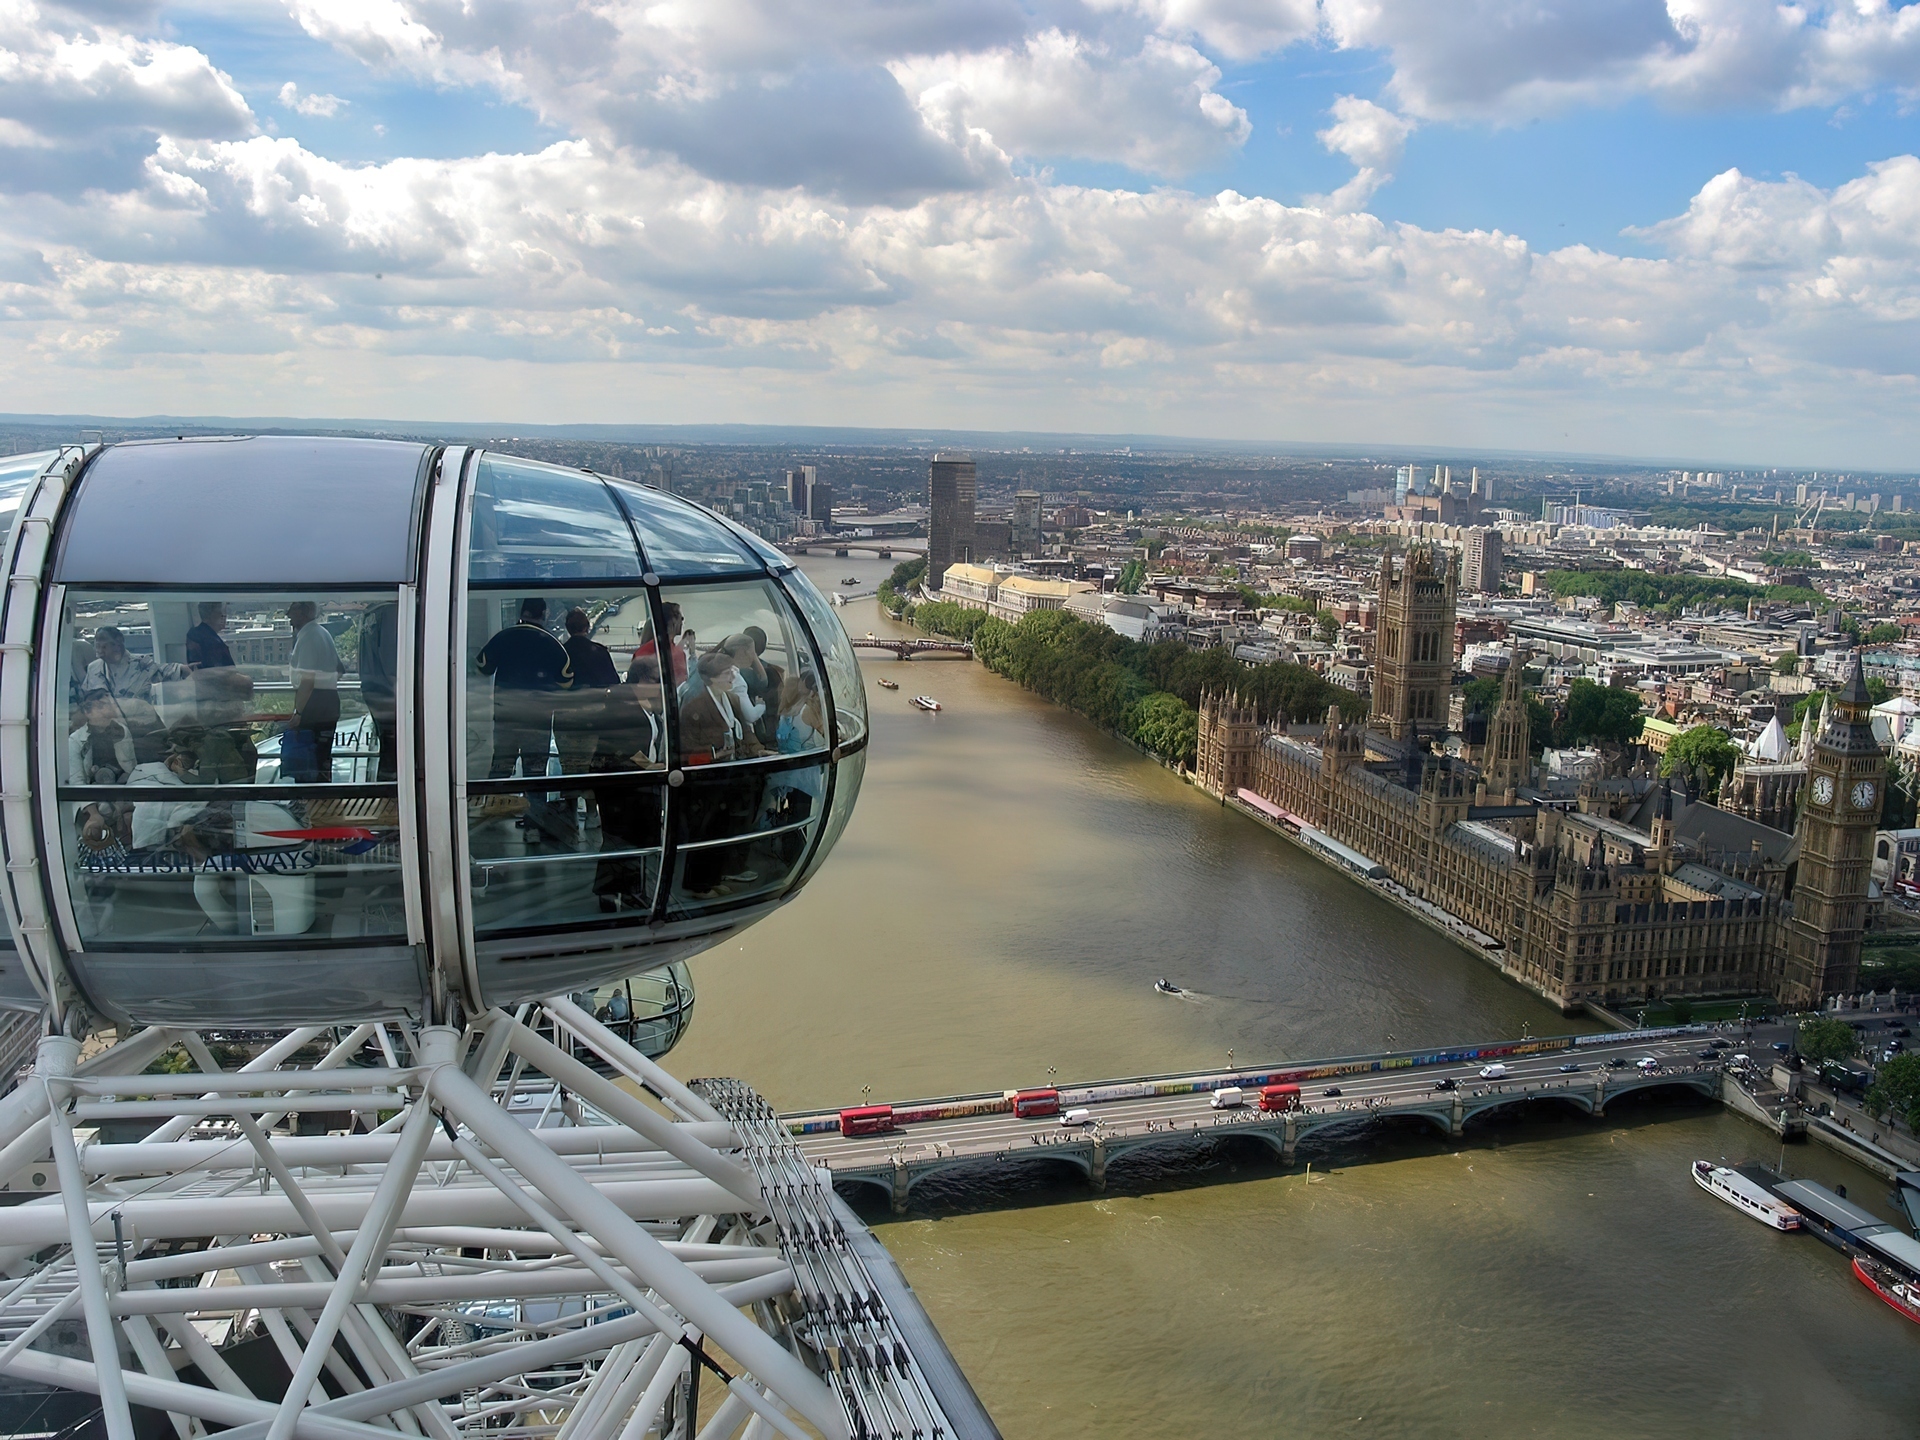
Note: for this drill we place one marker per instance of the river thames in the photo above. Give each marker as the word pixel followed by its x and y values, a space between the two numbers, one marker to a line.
pixel 1011 885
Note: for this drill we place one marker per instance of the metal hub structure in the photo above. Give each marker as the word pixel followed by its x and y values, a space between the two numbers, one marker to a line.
pixel 505 1241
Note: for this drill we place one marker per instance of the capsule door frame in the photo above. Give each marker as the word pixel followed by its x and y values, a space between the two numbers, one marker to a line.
pixel 440 718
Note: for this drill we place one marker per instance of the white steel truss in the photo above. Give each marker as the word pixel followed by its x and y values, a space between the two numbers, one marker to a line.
pixel 507 1241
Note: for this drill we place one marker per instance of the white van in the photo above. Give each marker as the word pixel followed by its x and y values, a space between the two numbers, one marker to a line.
pixel 1077 1117
pixel 1228 1097
pixel 1647 1063
pixel 1495 1071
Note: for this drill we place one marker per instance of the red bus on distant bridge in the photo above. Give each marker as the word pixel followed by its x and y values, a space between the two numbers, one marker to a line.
pixel 1279 1097
pixel 1036 1102
pixel 866 1120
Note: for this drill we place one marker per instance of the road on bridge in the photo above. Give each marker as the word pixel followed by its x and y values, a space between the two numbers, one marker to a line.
pixel 1362 1094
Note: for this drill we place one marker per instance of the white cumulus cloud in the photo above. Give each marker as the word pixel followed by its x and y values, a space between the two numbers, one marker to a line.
pixel 322 106
pixel 1508 60
pixel 1373 138
pixel 1058 94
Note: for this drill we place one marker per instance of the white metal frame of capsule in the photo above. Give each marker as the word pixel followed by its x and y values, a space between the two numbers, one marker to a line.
pixel 188 520
pixel 452 1270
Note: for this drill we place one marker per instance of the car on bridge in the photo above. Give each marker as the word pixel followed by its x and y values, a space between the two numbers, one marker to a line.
pixel 1077 1118
pixel 1446 1082
pixel 1647 1063
pixel 1570 1067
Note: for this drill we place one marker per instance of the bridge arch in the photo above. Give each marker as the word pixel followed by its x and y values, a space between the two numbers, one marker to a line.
pixel 1705 1084
pixel 1486 1105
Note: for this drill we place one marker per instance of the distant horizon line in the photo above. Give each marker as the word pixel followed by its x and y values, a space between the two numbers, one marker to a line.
pixel 890 437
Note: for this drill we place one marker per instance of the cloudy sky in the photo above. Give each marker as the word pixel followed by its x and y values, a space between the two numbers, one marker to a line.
pixel 1673 227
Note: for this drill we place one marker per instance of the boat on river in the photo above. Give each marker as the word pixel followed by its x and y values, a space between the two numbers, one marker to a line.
pixel 886 684
pixel 1167 987
pixel 925 702
pixel 850 580
pixel 1747 1196
pixel 1902 1295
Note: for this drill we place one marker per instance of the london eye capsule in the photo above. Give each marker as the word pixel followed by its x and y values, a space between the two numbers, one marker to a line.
pixel 307 731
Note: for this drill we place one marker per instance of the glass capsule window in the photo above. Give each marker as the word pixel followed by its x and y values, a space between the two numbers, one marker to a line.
pixel 567 747
pixel 747 683
pixel 540 522
pixel 637 751
pixel 843 670
pixel 680 540
pixel 227 774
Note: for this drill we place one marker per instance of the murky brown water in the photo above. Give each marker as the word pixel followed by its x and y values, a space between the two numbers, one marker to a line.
pixel 1007 892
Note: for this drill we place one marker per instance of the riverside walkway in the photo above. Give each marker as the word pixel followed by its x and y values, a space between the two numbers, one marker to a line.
pixel 1444 1088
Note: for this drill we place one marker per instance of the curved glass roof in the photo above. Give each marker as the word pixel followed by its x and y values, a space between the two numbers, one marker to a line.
pixel 254 510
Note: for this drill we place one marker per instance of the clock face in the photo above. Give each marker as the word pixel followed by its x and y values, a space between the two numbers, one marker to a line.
pixel 1863 795
pixel 1823 790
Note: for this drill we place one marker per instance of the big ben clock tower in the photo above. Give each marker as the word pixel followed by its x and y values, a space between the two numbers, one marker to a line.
pixel 1837 826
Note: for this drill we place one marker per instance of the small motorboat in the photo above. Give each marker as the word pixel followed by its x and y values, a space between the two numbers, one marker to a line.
pixel 886 684
pixel 850 580
pixel 1167 987
pixel 925 702
pixel 1902 1295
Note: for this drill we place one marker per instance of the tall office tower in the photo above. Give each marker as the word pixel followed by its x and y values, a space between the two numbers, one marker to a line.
pixel 1899 503
pixel 951 487
pixel 1026 522
pixel 1873 504
pixel 1842 810
pixel 799 486
pixel 1402 483
pixel 1800 493
pixel 1486 489
pixel 819 500
pixel 1480 574
pixel 1413 651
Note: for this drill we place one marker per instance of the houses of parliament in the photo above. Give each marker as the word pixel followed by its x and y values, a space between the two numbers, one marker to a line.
pixel 1621 894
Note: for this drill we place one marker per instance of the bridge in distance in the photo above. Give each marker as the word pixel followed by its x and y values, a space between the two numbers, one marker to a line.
pixel 978 1132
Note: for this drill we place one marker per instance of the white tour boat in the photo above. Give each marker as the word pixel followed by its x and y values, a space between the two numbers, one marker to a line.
pixel 1747 1196
pixel 925 702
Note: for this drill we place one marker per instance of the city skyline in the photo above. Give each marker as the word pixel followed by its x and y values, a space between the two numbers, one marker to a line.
pixel 1637 229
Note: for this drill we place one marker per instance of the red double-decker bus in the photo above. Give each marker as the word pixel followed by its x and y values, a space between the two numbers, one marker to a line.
pixel 1279 1097
pixel 866 1120
pixel 1036 1102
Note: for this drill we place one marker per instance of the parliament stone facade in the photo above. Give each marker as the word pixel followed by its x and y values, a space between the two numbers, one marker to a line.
pixel 1613 900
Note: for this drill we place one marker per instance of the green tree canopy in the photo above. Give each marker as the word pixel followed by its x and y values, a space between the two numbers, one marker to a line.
pixel 1326 625
pixel 1705 750
pixel 1670 591
pixel 1896 1089
pixel 1125 684
pixel 1599 713
pixel 1823 1038
pixel 1885 634
pixel 1786 664
pixel 1133 575
pixel 1165 724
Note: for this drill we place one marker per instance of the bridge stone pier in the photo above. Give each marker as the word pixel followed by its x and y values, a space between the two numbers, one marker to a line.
pixel 980 1134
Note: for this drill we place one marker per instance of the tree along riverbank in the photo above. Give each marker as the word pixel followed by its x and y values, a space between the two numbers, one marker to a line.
pixel 1148 694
